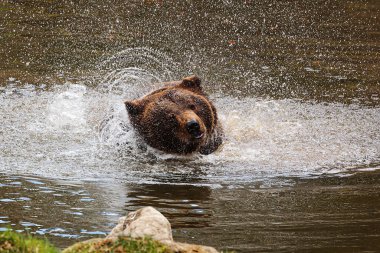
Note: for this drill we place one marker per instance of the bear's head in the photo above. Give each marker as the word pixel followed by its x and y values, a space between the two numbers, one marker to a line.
pixel 175 119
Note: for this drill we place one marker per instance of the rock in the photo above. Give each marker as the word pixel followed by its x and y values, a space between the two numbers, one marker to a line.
pixel 145 222
pixel 178 247
pixel 148 222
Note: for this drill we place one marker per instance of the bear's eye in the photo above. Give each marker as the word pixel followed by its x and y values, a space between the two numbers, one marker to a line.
pixel 192 107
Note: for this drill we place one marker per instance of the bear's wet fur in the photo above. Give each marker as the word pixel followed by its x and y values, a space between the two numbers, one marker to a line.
pixel 178 118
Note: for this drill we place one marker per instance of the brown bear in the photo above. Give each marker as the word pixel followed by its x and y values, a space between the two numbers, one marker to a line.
pixel 178 118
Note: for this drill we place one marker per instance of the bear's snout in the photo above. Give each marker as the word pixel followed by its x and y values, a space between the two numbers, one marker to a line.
pixel 194 129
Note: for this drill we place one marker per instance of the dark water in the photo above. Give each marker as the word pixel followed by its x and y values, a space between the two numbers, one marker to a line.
pixel 297 86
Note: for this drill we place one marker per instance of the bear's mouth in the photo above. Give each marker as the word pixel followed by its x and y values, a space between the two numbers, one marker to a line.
pixel 198 135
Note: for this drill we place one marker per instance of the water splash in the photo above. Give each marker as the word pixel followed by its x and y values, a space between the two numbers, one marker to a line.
pixel 80 132
pixel 129 82
pixel 67 110
pixel 132 72
pixel 299 137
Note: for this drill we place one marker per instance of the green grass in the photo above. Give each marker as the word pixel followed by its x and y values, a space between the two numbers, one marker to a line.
pixel 11 242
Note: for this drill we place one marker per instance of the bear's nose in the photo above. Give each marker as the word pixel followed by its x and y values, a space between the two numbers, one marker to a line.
pixel 194 128
pixel 192 125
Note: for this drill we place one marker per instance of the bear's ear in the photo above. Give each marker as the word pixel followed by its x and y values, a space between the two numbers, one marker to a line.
pixel 133 107
pixel 192 83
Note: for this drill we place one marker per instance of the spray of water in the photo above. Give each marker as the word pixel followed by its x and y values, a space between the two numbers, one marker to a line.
pixel 79 132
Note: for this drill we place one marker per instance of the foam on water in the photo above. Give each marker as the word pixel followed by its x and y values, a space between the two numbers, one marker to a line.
pixel 68 108
pixel 73 131
pixel 288 135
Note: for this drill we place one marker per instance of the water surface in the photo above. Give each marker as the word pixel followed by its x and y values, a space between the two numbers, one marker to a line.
pixel 297 88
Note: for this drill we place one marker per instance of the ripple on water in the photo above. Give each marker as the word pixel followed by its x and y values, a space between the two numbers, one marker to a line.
pixel 28 224
pixel 44 231
pixel 99 233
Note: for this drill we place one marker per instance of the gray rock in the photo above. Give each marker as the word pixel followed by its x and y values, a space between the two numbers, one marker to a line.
pixel 145 222
pixel 148 222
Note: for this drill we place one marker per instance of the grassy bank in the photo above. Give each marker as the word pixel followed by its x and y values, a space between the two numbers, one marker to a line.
pixel 11 242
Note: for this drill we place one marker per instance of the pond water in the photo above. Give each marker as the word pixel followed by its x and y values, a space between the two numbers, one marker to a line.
pixel 297 87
